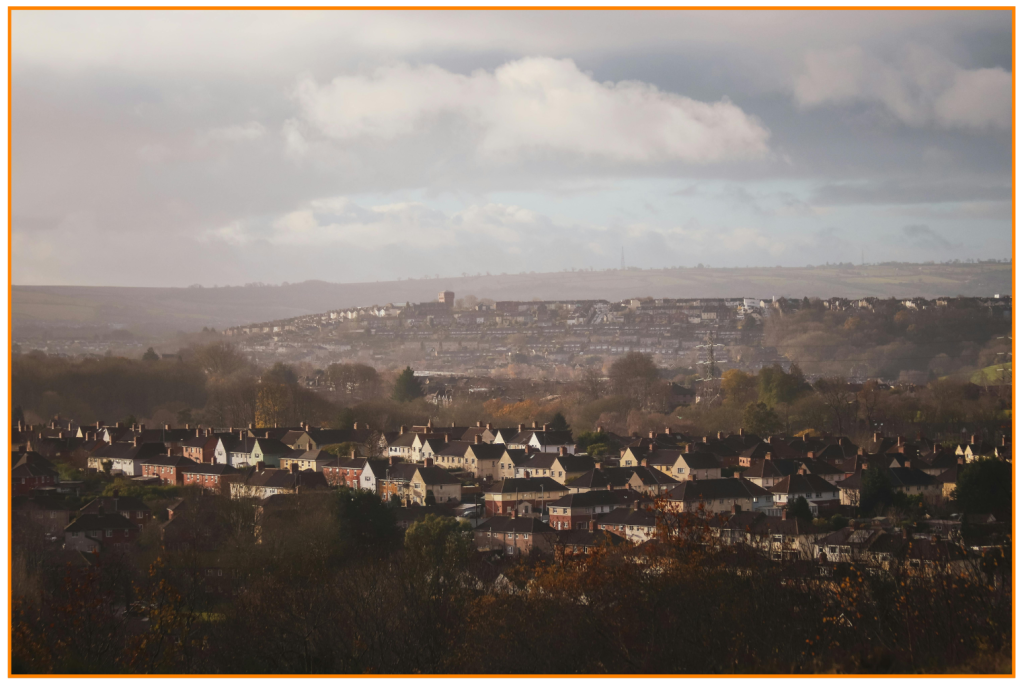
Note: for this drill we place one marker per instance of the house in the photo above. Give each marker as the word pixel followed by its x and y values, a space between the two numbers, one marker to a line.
pixel 576 511
pixel 580 542
pixel 561 466
pixel 514 536
pixel 683 466
pixel 527 497
pixel 167 468
pixel 259 481
pixel 907 480
pixel 820 494
pixel 639 478
pixel 634 523
pixel 544 439
pixel 128 507
pixel 307 459
pixel 243 451
pixel 95 532
pixel 719 495
pixel 126 457
pixel 510 460
pixel 484 460
pixel 31 471
pixel 777 537
pixel 452 455
pixel 413 483
pixel 39 515
pixel 201 447
pixel 345 472
pixel 210 478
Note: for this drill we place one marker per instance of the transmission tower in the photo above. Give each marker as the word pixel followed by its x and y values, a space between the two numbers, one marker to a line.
pixel 709 369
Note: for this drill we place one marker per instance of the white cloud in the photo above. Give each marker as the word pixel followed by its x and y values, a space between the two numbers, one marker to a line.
pixel 923 89
pixel 531 106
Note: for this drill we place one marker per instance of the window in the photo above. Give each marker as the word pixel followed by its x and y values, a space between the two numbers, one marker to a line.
pixel 526 535
pixel 110 533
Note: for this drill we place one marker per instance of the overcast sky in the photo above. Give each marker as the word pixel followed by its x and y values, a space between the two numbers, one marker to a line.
pixel 172 148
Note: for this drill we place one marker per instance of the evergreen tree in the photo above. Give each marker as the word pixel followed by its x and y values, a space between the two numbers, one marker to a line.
pixel 407 387
pixel 559 423
pixel 150 355
pixel 875 491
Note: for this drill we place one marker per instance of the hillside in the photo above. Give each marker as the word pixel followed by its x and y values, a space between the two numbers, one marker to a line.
pixel 162 310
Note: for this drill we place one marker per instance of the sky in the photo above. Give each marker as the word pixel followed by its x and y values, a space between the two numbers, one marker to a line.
pixel 171 148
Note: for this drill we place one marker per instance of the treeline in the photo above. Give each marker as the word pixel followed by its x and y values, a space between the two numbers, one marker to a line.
pixel 334 587
pixel 890 341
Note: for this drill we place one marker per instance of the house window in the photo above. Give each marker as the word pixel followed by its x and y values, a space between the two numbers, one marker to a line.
pixel 110 533
pixel 526 535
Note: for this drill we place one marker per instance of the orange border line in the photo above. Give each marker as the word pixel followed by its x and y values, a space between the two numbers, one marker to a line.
pixel 1013 412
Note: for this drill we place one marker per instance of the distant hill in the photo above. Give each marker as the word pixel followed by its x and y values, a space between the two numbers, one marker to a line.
pixel 162 310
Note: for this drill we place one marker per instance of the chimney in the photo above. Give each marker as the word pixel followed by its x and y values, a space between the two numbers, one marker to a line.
pixel 428 462
pixel 784 513
pixel 167 426
pixel 352 454
pixel 446 439
pixel 736 508
pixel 720 435
pixel 636 505
pixel 691 447
pixel 906 463
pixel 810 454
pixel 489 426
pixel 294 468
pixel 1004 436
pixel 592 526
pixel 135 441
pixel 187 427
pixel 99 424
pixel 260 466
pixel 650 434
pixel 600 429
pixel 860 452
pixel 241 434
pixel 561 451
pixel 609 486
pixel 876 437
pixel 401 430
pixel 938 447
pixel 142 428
pixel 741 431
pixel 309 445
pixel 251 426
pixel 355 425
pixel 806 439
pixel 479 423
pixel 19 425
pixel 768 456
pixel 478 439
pixel 802 471
pixel 959 460
pixel 430 423
pixel 692 477
pixel 899 441
pixel 704 439
pixel 534 425
pixel 60 435
pixel 117 425
pixel 522 427
pixel 209 431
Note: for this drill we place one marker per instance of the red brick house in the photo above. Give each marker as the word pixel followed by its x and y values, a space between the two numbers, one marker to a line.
pixel 526 496
pixel 512 536
pixel 201 447
pixel 208 477
pixel 38 515
pixel 345 473
pixel 167 468
pixel 32 471
pixel 100 531
pixel 577 511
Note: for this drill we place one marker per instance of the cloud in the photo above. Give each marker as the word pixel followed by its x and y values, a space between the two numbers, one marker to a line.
pixel 921 88
pixel 922 236
pixel 531 106
pixel 896 192
pixel 250 131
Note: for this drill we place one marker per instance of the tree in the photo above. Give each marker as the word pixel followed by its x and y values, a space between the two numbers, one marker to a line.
pixel 280 374
pixel 835 394
pixel 635 376
pixel 366 525
pixel 737 385
pixel 799 509
pixel 407 387
pixel 150 355
pixel 875 491
pixel 775 385
pixel 558 423
pixel 985 486
pixel 430 500
pixel 439 542
pixel 760 419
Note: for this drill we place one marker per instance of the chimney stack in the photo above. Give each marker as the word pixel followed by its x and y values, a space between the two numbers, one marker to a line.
pixel 294 468
pixel 135 441
pixel 959 460
pixel 650 434
pixel 166 426
pixel 428 462
pixel 899 441
pixel 479 423
pixel 430 423
pixel 446 439
pixel 736 508
pixel 768 456
pixel 1004 436
pixel 489 425
pixel 876 437
pixel 534 425
pixel 741 431
pixel 600 429
pixel 906 463
pixel 309 445
pixel 478 439
pixel 938 447
pixel 352 454
pixel 784 513
pixel 802 471
pixel 668 430
pixel 561 450
pixel 692 477
pixel 401 430
pixel 522 427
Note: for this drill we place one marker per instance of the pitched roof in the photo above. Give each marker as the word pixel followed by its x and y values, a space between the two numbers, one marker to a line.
pixel 598 497
pixel 208 469
pixel 526 484
pixel 100 521
pixel 802 484
pixel 169 461
pixel 707 489
pixel 114 504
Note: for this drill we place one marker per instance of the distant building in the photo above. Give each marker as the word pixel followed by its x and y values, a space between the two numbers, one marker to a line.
pixel 446 297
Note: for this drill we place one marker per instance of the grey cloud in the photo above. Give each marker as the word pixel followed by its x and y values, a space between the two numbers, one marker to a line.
pixel 896 192
pixel 923 236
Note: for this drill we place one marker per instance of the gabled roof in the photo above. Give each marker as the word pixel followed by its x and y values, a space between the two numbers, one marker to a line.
pixel 598 497
pixel 169 461
pixel 663 456
pixel 455 449
pixel 494 451
pixel 802 484
pixel 435 475
pixel 640 517
pixel 208 469
pixel 526 484
pixel 701 460
pixel 707 489
pixel 114 504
